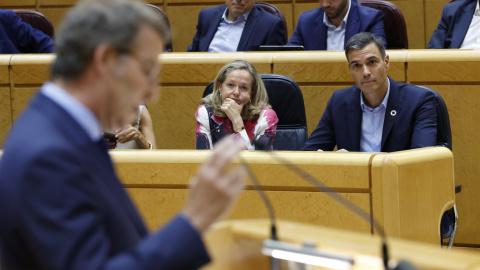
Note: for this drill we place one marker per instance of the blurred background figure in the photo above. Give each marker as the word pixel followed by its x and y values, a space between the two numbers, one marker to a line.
pixel 237 106
pixel 238 25
pixel 138 135
pixel 20 37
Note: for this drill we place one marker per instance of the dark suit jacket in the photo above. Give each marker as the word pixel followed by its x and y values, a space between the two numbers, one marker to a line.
pixel 311 32
pixel 62 206
pixel 261 28
pixel 413 126
pixel 19 37
pixel 453 26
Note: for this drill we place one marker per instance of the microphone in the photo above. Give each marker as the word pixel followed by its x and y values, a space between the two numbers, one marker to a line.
pixel 274 263
pixel 261 145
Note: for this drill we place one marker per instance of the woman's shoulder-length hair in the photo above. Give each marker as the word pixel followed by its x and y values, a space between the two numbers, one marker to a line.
pixel 258 100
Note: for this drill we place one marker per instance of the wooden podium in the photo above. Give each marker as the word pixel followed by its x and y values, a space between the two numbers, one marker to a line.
pixel 406 191
pixel 236 245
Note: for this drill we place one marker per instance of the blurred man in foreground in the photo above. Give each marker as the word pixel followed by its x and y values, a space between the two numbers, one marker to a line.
pixel 62 206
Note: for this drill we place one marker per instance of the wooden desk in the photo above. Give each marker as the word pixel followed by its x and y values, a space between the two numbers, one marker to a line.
pixel 405 191
pixel 237 244
pixel 452 73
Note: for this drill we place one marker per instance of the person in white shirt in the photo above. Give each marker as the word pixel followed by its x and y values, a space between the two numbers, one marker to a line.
pixel 459 27
pixel 238 25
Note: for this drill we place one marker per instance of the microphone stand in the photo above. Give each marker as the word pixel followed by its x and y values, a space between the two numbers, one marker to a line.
pixel 333 194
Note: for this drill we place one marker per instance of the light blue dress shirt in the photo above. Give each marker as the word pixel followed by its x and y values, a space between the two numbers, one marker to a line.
pixel 336 35
pixel 228 34
pixel 82 115
pixel 372 124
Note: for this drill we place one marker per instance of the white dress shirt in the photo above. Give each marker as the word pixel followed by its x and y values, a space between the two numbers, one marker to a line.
pixel 228 34
pixel 472 38
pixel 336 35
pixel 82 115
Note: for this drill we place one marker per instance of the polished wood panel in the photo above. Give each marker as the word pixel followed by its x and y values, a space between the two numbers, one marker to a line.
pixel 203 67
pixel 5 112
pixel 237 245
pixel 315 99
pixel 183 21
pixel 443 66
pixel 174 116
pixel 157 206
pixel 413 12
pixel 406 191
pixel 31 68
pixel 416 187
pixel 157 181
pixel 17 3
pixel 4 69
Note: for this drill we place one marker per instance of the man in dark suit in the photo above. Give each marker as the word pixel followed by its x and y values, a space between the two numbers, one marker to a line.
pixel 378 114
pixel 455 29
pixel 62 206
pixel 237 26
pixel 20 37
pixel 330 26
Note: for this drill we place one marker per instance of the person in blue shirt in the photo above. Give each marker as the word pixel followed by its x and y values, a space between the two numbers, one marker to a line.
pixel 378 114
pixel 238 25
pixel 17 36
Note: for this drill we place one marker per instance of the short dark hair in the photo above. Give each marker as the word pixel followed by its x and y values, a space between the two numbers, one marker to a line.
pixel 362 40
pixel 92 23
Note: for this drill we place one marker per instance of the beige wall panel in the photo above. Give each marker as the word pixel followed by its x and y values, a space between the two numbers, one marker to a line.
pixel 413 13
pixel 299 8
pixel 57 2
pixel 157 206
pixel 54 14
pixel 443 71
pixel 4 72
pixel 20 99
pixel 30 74
pixel 17 3
pixel 271 176
pixel 199 73
pixel 314 72
pixel 463 102
pixel 5 113
pixel 183 21
pixel 287 10
pixel 315 99
pixel 433 13
pixel 174 116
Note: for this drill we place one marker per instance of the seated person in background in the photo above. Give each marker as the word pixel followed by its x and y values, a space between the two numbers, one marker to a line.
pixel 459 27
pixel 237 106
pixel 20 37
pixel 237 26
pixel 331 25
pixel 138 135
pixel 378 114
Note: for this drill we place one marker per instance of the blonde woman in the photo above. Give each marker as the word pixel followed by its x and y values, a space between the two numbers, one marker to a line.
pixel 238 106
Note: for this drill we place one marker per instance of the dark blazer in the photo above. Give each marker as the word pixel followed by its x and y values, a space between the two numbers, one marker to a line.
pixel 19 37
pixel 64 208
pixel 261 28
pixel 453 26
pixel 414 125
pixel 311 32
